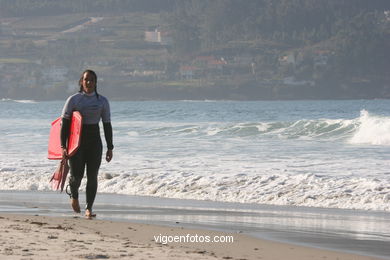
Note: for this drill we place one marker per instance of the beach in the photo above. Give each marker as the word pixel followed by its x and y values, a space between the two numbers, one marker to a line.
pixel 41 225
pixel 43 237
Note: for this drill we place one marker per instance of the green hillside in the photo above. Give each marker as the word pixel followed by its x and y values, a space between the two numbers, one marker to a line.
pixel 219 49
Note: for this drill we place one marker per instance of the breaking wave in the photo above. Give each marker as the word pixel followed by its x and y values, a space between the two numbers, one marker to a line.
pixel 366 129
pixel 371 129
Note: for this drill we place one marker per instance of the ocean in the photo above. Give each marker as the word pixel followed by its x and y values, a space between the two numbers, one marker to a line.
pixel 326 154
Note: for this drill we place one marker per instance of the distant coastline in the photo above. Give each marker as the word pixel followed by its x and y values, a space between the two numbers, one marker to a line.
pixel 271 50
pixel 247 91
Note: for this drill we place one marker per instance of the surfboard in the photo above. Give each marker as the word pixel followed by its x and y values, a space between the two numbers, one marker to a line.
pixel 54 148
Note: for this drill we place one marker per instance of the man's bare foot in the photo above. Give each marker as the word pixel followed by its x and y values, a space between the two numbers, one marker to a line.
pixel 75 205
pixel 89 214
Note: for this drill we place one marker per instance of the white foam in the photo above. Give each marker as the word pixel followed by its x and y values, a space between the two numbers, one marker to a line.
pixel 26 101
pixel 219 178
pixel 374 130
pixel 299 190
pixel 132 133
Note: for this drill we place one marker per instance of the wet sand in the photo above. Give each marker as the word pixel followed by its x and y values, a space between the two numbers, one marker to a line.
pixel 40 225
pixel 44 237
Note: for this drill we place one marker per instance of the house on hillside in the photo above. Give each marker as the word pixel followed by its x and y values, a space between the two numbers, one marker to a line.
pixel 152 36
pixel 187 72
pixel 148 74
pixel 217 64
pixel 289 59
pixel 202 60
pixel 159 37
pixel 239 64
pixel 210 64
pixel 321 58
pixel 387 15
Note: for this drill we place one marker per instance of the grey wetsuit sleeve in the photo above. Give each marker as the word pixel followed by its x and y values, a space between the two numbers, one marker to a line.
pixel 106 113
pixel 68 109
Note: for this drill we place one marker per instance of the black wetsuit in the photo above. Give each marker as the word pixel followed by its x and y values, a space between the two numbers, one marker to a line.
pixel 89 155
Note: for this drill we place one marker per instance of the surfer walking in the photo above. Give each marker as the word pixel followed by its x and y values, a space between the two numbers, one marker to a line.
pixel 92 107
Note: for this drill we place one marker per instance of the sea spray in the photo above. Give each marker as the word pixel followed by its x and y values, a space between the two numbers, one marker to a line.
pixel 372 129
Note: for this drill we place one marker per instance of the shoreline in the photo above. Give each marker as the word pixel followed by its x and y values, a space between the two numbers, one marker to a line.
pixel 326 230
pixel 80 238
pixel 119 99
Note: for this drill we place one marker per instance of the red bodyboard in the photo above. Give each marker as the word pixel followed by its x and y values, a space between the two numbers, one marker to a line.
pixel 54 149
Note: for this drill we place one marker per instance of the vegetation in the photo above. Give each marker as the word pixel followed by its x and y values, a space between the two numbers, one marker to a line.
pixel 10 8
pixel 355 30
pixel 257 49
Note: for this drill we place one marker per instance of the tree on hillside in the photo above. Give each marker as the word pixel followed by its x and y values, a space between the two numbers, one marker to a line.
pixel 54 7
pixel 184 26
pixel 362 45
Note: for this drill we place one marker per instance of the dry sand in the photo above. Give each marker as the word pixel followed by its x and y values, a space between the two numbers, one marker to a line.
pixel 43 237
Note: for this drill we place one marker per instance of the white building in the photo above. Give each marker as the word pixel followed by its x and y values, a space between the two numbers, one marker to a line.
pixel 157 36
